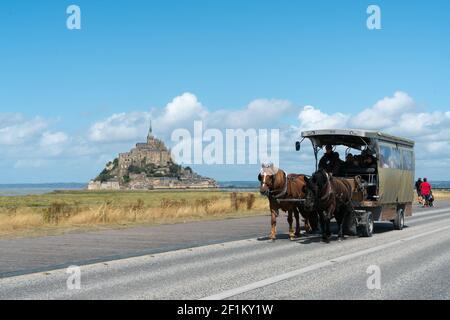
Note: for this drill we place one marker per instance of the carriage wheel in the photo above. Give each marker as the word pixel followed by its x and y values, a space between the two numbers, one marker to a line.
pixel 366 225
pixel 399 221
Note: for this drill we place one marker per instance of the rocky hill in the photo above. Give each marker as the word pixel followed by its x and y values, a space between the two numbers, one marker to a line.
pixel 148 166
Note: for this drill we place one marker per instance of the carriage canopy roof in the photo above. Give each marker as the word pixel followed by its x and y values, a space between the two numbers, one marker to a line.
pixel 354 138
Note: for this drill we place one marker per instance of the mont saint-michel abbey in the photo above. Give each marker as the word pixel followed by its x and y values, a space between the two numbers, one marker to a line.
pixel 153 152
pixel 148 166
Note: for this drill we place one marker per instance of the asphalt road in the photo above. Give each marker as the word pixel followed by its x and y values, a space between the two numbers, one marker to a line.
pixel 413 264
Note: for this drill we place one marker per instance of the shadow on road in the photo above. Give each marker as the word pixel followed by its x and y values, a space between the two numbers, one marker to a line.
pixel 379 228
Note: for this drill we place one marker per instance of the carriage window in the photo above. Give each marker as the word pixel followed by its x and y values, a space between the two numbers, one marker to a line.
pixel 385 155
pixel 390 157
pixel 407 159
pixel 396 159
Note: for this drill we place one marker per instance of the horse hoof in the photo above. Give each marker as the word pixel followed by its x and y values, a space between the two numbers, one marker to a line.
pixel 326 240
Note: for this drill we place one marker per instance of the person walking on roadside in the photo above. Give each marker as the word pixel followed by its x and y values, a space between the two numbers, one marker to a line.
pixel 431 200
pixel 419 193
pixel 425 190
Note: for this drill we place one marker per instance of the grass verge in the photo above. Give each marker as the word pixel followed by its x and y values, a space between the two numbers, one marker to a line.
pixel 75 211
pixel 61 212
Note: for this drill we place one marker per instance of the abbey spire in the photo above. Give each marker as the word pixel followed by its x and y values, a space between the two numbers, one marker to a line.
pixel 150 130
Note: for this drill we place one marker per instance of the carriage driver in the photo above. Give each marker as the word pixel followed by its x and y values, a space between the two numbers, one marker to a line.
pixel 330 161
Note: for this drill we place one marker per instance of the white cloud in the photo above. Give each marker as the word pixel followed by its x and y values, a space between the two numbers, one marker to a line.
pixel 53 143
pixel 120 127
pixel 181 112
pixel 183 109
pixel 27 143
pixel 33 143
pixel 15 130
pixel 397 115
pixel 385 113
pixel 50 138
pixel 311 118
pixel 260 113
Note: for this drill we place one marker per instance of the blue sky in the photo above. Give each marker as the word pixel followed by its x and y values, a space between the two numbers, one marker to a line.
pixel 137 56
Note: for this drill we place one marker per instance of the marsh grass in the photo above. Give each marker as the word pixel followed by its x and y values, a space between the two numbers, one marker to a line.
pixel 61 212
pixel 441 195
pixel 80 210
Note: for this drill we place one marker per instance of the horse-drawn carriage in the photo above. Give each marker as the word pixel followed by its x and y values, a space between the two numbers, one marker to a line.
pixel 356 192
pixel 386 192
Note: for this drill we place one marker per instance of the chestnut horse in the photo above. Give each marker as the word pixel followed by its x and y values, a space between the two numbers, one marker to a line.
pixel 278 186
pixel 331 197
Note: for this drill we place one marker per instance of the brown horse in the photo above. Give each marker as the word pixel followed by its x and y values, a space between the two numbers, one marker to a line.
pixel 278 186
pixel 331 197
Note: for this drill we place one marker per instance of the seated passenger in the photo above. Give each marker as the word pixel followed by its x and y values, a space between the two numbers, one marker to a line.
pixel 330 161
pixel 349 159
pixel 369 162
pixel 358 161
pixel 350 162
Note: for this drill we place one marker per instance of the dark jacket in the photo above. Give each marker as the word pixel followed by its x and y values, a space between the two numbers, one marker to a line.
pixel 330 163
pixel 418 183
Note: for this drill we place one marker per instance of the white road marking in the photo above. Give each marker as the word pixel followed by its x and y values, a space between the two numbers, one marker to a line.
pixel 223 244
pixel 285 276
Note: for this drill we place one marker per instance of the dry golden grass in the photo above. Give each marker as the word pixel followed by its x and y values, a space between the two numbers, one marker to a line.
pixel 441 195
pixel 77 211
pixel 60 216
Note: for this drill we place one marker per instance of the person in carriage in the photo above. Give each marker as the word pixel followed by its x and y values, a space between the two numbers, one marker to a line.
pixel 330 161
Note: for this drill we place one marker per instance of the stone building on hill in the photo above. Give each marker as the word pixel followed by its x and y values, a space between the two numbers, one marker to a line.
pixel 153 152
pixel 148 166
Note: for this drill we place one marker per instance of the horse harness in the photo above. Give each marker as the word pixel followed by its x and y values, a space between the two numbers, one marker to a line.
pixel 281 192
pixel 329 192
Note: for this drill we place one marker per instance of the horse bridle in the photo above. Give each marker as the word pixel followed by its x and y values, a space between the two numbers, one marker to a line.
pixel 328 188
pixel 320 199
pixel 282 192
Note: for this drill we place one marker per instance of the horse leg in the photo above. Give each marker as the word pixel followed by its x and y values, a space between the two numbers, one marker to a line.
pixel 297 222
pixel 314 221
pixel 273 232
pixel 290 221
pixel 341 233
pixel 341 226
pixel 327 231
pixel 323 225
pixel 327 223
pixel 308 227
